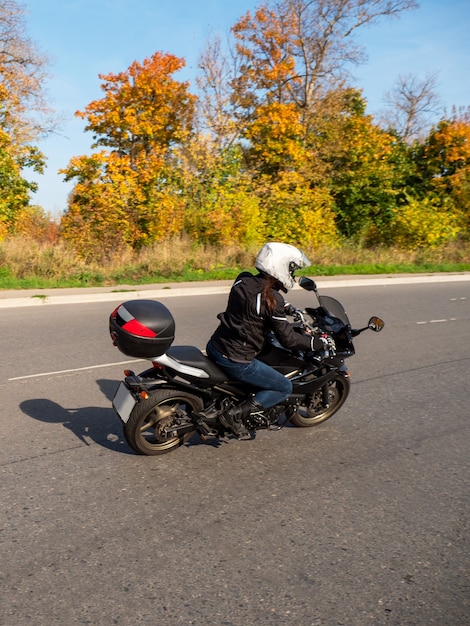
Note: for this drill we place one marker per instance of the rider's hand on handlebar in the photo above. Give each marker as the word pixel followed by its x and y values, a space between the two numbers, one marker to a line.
pixel 314 356
pixel 289 309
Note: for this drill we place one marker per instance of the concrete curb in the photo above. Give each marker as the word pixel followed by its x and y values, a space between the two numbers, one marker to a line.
pixel 31 297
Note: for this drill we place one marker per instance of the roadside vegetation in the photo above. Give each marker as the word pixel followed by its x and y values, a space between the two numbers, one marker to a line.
pixel 272 142
pixel 27 264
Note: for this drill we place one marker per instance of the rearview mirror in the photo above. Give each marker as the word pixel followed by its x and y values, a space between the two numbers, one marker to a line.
pixel 376 324
pixel 307 283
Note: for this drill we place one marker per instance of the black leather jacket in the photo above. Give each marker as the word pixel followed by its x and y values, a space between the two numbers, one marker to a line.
pixel 244 324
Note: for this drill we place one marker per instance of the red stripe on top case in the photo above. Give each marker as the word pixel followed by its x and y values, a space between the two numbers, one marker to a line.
pixel 136 328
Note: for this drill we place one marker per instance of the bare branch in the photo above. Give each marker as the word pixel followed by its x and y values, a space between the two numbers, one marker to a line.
pixel 24 113
pixel 299 49
pixel 411 104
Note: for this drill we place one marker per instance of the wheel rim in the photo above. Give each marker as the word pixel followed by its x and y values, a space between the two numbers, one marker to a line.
pixel 315 412
pixel 151 426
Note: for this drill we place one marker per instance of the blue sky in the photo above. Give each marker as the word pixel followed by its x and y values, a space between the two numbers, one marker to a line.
pixel 84 38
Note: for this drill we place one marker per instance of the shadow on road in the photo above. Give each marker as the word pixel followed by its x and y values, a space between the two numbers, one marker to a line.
pixel 98 424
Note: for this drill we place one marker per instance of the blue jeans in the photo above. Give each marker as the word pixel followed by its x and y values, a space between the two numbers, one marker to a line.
pixel 274 386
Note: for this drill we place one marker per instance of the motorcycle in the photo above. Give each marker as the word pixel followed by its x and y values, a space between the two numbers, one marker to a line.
pixel 184 392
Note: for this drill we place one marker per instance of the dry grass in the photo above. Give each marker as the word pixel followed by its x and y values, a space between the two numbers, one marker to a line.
pixel 25 263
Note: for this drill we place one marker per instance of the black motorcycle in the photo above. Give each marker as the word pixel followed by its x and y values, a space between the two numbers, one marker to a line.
pixel 184 392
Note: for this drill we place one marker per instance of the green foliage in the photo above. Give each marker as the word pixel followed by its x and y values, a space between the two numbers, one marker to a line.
pixel 360 161
pixel 14 188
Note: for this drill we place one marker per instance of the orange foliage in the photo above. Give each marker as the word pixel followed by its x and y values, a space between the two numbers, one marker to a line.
pixel 265 43
pixel 123 195
pixel 31 222
pixel 144 109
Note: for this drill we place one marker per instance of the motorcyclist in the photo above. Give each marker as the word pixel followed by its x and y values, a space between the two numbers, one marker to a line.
pixel 255 306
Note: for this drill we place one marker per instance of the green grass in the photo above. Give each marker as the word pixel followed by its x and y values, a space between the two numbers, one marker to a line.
pixel 39 282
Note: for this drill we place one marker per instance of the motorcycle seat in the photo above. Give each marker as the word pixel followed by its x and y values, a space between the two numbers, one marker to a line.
pixel 190 355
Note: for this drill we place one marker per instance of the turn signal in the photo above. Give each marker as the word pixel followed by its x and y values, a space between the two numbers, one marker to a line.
pixel 144 395
pixel 128 373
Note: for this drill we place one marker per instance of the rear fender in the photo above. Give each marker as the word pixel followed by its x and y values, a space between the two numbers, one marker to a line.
pixel 139 383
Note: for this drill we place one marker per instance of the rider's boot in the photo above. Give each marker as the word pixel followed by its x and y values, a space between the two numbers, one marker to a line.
pixel 233 418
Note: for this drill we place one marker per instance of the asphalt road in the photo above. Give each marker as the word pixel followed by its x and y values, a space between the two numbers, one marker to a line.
pixel 362 520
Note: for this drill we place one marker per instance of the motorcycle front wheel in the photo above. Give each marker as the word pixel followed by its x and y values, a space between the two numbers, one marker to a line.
pixel 147 427
pixel 314 411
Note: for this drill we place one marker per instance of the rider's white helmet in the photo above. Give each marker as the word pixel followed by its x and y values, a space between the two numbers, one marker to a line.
pixel 280 260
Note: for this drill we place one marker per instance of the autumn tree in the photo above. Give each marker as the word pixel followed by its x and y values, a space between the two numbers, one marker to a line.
pixel 441 183
pixel 277 145
pixel 288 52
pixel 24 113
pixel 295 50
pixel 14 189
pixel 124 194
pixel 288 100
pixel 221 204
pixel 445 155
pixel 367 167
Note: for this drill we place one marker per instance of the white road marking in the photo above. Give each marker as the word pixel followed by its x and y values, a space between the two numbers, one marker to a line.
pixel 451 319
pixel 213 290
pixel 77 369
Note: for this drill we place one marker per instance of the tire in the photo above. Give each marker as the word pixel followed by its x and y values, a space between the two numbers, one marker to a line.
pixel 314 413
pixel 148 416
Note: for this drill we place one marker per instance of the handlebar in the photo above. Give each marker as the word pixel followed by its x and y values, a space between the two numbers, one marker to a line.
pixel 328 346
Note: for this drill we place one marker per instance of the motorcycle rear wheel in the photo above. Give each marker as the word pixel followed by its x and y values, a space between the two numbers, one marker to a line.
pixel 314 413
pixel 144 429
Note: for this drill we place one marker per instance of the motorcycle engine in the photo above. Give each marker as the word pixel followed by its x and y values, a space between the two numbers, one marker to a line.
pixel 267 419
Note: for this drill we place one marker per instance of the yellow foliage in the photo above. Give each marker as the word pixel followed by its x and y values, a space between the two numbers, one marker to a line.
pixel 225 214
pixel 298 213
pixel 3 228
pixel 424 223
pixel 163 216
pixel 276 134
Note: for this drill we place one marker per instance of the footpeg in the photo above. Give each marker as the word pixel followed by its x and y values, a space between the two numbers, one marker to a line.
pixel 205 431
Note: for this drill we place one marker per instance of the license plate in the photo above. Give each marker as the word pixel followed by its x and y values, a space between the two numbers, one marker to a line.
pixel 124 402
